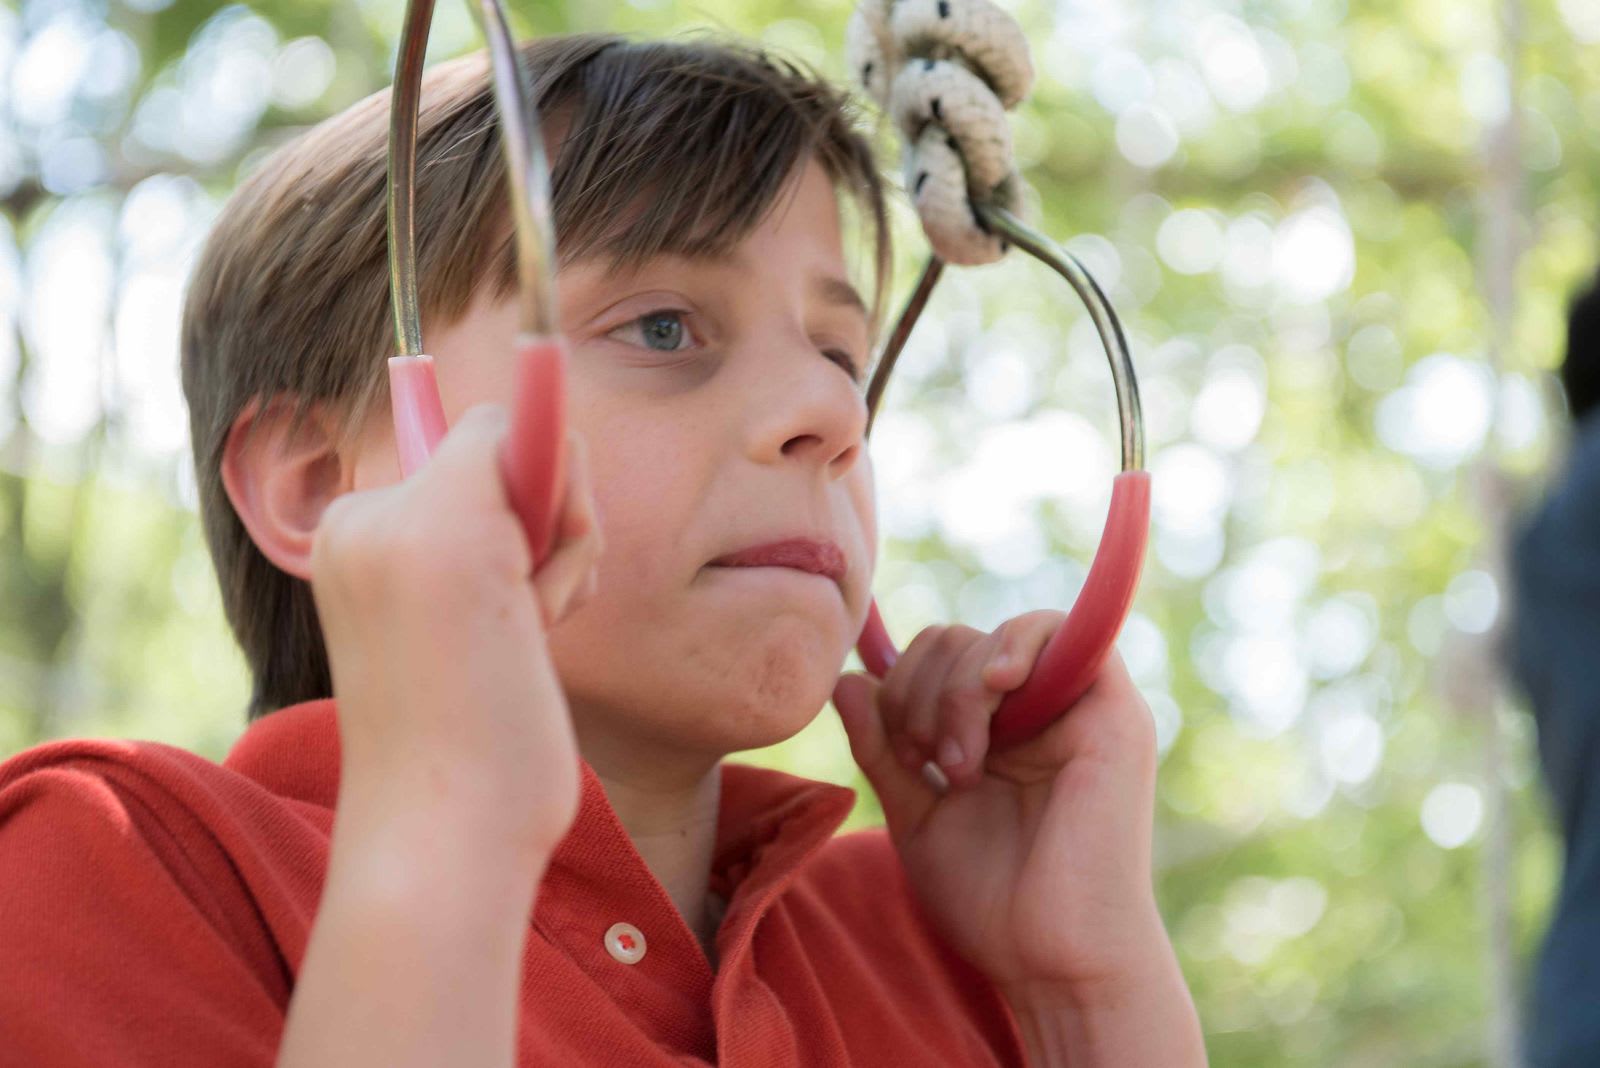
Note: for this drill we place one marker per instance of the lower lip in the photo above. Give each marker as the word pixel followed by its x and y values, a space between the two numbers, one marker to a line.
pixel 770 571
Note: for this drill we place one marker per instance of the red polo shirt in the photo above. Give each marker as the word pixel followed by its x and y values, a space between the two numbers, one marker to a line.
pixel 155 908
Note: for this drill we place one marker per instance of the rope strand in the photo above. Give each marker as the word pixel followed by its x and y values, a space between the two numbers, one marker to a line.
pixel 946 72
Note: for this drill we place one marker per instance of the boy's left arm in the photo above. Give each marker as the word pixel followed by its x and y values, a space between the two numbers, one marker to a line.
pixel 1035 863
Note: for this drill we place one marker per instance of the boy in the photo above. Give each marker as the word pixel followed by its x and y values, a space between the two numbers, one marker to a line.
pixel 684 911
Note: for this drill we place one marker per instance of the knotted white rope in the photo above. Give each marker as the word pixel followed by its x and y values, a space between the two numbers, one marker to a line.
pixel 946 71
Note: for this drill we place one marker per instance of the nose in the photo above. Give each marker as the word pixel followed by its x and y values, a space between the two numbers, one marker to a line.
pixel 805 408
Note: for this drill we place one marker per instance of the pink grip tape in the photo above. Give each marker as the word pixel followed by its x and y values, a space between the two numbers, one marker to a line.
pixel 533 459
pixel 1072 658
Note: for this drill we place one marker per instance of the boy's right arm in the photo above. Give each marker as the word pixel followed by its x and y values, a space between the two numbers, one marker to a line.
pixel 459 769
pixel 414 957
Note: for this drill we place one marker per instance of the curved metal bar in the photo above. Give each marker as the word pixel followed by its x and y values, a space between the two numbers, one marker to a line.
pixel 1071 659
pixel 1068 266
pixel 1129 412
pixel 527 171
pixel 402 177
pixel 533 456
pixel 902 330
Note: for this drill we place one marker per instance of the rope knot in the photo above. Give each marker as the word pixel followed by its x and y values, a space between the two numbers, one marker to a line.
pixel 946 72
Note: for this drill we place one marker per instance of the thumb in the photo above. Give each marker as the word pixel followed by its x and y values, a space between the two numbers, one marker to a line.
pixel 906 797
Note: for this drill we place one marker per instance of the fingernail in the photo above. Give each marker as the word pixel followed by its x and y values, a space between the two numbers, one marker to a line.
pixel 935 778
pixel 1001 660
pixel 950 753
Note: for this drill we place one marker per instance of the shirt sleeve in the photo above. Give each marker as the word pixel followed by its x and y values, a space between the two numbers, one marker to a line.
pixel 126 937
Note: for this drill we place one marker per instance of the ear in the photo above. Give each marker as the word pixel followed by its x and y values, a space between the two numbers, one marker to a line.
pixel 280 479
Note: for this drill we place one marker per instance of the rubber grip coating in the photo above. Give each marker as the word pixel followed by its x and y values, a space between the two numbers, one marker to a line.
pixel 533 458
pixel 1072 658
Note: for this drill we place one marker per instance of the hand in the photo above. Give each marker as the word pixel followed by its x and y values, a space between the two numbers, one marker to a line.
pixel 435 630
pixel 1035 863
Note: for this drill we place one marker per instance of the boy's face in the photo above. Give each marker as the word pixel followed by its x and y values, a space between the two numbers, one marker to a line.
pixel 719 413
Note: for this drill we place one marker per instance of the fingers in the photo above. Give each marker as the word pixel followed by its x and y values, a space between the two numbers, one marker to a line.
pixel 463 465
pixel 570 575
pixel 964 709
pixel 913 675
pixel 463 477
pixel 928 693
pixel 941 696
pixel 449 523
pixel 1020 641
pixel 905 796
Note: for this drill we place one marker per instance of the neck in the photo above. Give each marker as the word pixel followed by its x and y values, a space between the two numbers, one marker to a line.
pixel 668 803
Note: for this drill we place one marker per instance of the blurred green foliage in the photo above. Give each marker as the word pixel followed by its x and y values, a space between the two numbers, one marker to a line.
pixel 1292 203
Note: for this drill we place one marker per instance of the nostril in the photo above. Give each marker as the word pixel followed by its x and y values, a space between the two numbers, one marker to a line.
pixel 798 441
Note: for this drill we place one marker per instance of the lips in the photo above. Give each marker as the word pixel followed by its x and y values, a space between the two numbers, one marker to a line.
pixel 804 554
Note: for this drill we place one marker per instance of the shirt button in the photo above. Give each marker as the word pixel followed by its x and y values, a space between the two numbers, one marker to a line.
pixel 625 942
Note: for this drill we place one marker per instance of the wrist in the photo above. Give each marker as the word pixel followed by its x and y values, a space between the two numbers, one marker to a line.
pixel 396 830
pixel 1111 950
pixel 1137 1014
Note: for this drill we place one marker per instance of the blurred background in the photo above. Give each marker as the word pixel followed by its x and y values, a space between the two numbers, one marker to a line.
pixel 1342 235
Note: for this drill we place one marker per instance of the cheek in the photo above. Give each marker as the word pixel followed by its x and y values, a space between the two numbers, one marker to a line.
pixel 864 495
pixel 642 521
pixel 863 501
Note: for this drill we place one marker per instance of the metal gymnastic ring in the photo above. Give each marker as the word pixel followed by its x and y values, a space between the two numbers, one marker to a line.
pixel 1073 656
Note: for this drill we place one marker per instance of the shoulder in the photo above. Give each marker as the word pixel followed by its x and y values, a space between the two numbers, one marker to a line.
pixel 858 879
pixel 115 840
pixel 858 882
pixel 129 909
pixel 1567 521
pixel 858 860
pixel 94 810
pixel 97 774
pixel 125 786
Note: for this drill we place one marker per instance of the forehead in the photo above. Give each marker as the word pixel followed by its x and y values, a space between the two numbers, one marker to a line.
pixel 684 154
pixel 647 224
pixel 800 233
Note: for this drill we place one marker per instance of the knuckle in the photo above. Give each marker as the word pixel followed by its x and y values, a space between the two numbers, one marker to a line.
pixel 926 638
pixel 1133 731
pixel 892 707
pixel 580 597
pixel 959 702
pixel 952 638
pixel 920 730
pixel 484 418
pixel 889 705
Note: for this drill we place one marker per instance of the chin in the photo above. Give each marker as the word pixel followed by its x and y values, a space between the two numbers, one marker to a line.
pixel 721 685
pixel 765 697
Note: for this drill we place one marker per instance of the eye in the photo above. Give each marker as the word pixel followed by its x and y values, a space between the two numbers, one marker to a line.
pixel 845 360
pixel 662 330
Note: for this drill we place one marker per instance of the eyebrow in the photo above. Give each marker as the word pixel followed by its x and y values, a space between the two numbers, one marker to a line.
pixel 839 292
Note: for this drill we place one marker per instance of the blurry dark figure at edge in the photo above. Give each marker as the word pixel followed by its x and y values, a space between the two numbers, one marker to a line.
pixel 1555 653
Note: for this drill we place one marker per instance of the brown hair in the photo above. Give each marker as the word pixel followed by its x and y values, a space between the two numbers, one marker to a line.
pixel 667 147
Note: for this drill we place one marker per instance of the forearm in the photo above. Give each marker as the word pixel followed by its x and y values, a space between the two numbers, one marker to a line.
pixel 1144 1020
pixel 415 954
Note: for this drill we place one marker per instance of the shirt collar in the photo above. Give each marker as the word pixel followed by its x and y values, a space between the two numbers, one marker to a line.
pixel 768 821
pixel 293 752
